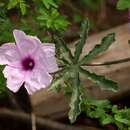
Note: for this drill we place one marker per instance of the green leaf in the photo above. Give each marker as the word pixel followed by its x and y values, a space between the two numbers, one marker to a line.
pixel 52 20
pixel 20 3
pixel 22 6
pixel 105 84
pixel 107 119
pixel 49 3
pixel 74 105
pixel 104 104
pixel 68 89
pixel 64 46
pixel 56 84
pixel 98 109
pixel 123 4
pixel 103 46
pixel 12 4
pixel 121 119
pixel 59 79
pixel 83 37
pixel 114 109
pixel 75 99
pixel 122 116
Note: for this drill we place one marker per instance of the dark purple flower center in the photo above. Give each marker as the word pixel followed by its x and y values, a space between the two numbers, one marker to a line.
pixel 28 63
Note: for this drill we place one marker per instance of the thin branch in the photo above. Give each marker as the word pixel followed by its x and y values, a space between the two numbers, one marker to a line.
pixel 120 61
pixel 33 121
pixel 109 62
pixel 45 123
pixel 114 62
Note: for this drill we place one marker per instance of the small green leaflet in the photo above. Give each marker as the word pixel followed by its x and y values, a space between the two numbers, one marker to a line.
pixel 64 46
pixel 107 113
pixel 123 4
pixel 14 3
pixel 59 79
pixel 22 6
pixel 123 116
pixel 103 46
pixel 51 19
pixel 98 109
pixel 83 37
pixel 56 84
pixel 105 84
pixel 49 3
pixel 101 114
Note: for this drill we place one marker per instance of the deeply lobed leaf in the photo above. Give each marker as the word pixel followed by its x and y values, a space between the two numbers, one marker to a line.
pixel 103 46
pixel 83 37
pixel 104 83
pixel 75 99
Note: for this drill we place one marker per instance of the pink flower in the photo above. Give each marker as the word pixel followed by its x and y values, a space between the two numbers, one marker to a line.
pixel 28 61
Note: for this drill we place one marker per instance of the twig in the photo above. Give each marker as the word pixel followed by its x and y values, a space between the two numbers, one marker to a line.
pixel 33 121
pixel 114 62
pixel 109 62
pixel 103 64
pixel 45 123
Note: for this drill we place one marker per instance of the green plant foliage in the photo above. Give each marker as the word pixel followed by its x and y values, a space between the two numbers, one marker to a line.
pixel 74 69
pixel 103 46
pixel 62 47
pixel 20 3
pixel 104 83
pixel 22 6
pixel 75 99
pixel 98 109
pixel 59 79
pixel 123 4
pixel 3 90
pixel 51 19
pixel 49 3
pixel 83 37
pixel 5 30
pixel 44 16
pixel 107 113
pixel 12 4
pixel 29 22
pixel 121 116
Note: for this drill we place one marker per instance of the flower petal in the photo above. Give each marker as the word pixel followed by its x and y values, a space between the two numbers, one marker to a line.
pixel 49 50
pixel 37 79
pixel 15 78
pixel 8 54
pixel 26 44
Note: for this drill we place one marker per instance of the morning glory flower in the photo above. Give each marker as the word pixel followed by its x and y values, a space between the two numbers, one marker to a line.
pixel 28 61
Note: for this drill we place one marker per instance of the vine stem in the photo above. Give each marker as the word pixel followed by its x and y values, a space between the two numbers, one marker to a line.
pixel 124 60
pixel 33 117
pixel 114 62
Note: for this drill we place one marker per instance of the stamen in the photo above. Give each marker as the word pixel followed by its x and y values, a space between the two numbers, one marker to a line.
pixel 28 63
